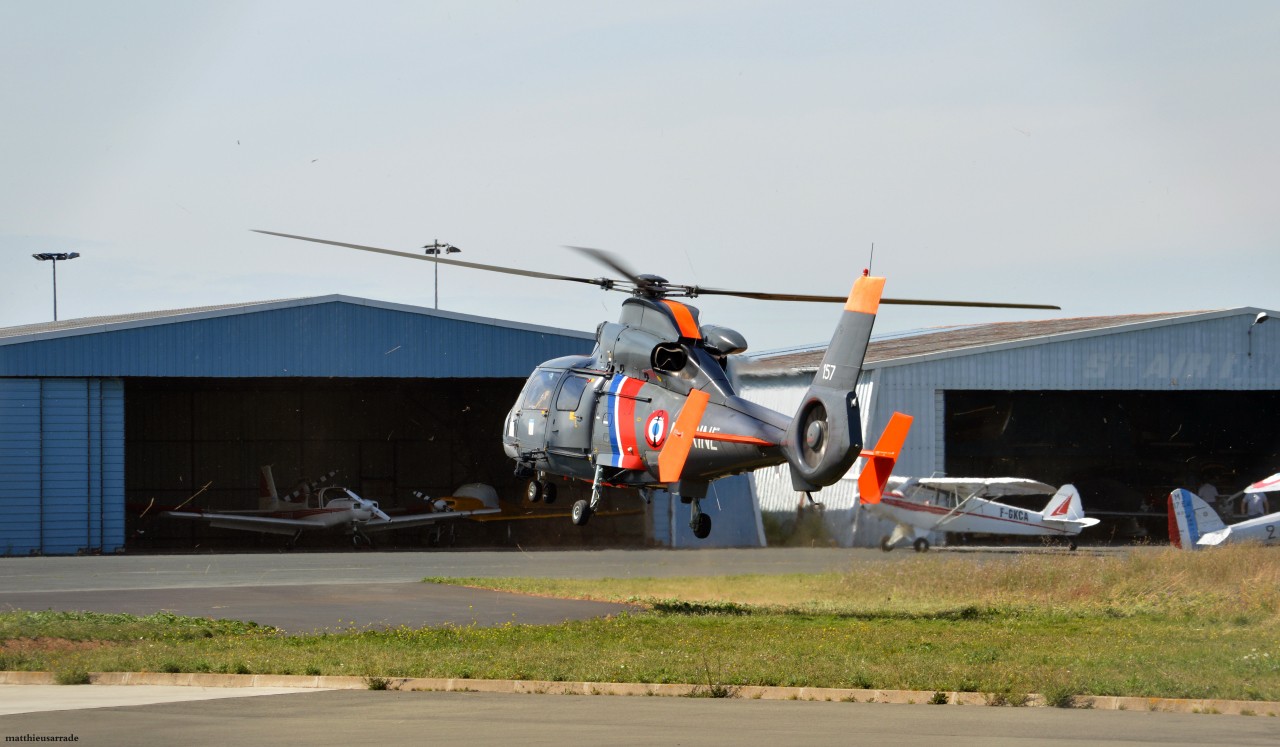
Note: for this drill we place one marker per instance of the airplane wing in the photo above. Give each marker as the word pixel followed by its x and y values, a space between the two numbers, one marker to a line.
pixel 419 520
pixel 1265 486
pixel 250 522
pixel 989 487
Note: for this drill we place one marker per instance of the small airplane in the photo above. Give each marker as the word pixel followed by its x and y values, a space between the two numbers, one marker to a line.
pixel 920 505
pixel 651 407
pixel 1194 524
pixel 333 507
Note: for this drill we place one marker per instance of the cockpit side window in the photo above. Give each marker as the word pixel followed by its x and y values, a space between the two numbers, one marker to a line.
pixel 537 393
pixel 571 393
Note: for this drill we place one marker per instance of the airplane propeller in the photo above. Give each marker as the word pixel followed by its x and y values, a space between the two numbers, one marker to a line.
pixel 652 286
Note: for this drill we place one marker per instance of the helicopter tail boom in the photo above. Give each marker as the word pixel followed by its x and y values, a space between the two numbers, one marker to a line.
pixel 825 437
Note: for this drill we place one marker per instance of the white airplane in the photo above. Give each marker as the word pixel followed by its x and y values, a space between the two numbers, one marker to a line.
pixel 920 505
pixel 1193 524
pixel 334 507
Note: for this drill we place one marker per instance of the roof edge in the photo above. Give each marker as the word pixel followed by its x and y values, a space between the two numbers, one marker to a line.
pixel 203 313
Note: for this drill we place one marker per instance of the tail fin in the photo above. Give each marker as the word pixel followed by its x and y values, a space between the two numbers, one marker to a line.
pixel 1065 505
pixel 825 437
pixel 880 461
pixel 267 496
pixel 1190 519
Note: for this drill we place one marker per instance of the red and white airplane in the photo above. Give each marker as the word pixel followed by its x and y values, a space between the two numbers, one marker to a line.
pixel 1193 524
pixel 333 507
pixel 920 505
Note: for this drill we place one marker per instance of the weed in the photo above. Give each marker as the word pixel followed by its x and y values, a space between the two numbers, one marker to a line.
pixel 71 676
pixel 940 698
pixel 377 683
pixel 1006 698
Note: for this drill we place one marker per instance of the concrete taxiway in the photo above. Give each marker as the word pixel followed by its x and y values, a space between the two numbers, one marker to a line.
pixel 306 591
pixel 391 717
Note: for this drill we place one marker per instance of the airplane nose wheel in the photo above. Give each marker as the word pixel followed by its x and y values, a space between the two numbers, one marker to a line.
pixel 581 513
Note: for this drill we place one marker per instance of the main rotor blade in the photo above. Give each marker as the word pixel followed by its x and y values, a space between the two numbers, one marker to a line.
pixel 608 259
pixel 841 299
pixel 601 282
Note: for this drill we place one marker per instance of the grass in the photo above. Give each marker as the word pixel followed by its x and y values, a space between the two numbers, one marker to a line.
pixel 1154 623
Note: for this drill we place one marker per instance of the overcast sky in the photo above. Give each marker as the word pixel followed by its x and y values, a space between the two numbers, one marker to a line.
pixel 1110 157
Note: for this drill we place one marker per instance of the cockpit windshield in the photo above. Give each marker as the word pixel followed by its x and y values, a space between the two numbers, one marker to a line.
pixel 537 393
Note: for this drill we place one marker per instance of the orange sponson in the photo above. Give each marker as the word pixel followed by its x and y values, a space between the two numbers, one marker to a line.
pixel 676 451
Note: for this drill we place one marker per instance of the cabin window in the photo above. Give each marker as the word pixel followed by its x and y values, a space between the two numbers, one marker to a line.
pixel 571 393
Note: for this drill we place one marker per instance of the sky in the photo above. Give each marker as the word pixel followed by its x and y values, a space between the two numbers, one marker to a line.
pixel 1108 157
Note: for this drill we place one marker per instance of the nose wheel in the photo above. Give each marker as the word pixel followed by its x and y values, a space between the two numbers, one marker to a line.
pixel 540 490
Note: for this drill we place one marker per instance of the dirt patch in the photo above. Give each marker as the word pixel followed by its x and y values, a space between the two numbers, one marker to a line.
pixel 48 645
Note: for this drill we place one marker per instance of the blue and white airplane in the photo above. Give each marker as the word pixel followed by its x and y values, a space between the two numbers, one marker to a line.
pixel 1193 524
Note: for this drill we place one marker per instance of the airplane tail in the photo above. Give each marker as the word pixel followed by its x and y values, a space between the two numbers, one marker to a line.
pixel 1065 506
pixel 880 461
pixel 825 437
pixel 267 496
pixel 1190 518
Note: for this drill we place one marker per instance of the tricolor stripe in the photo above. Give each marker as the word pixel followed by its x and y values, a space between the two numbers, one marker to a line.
pixel 623 444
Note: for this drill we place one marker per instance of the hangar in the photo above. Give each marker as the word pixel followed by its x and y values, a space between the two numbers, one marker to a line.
pixel 104 418
pixel 1125 407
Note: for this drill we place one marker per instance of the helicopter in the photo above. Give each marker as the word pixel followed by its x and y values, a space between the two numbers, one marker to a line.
pixel 652 407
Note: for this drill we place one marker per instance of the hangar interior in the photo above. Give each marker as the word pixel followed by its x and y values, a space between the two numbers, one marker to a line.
pixel 1124 450
pixel 386 439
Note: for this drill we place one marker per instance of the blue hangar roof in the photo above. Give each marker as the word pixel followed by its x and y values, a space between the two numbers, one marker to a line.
pixel 325 336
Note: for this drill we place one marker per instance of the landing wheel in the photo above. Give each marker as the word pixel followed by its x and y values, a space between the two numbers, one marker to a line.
pixel 358 539
pixel 1071 544
pixel 885 544
pixel 533 491
pixel 921 545
pixel 548 492
pixel 701 526
pixel 581 513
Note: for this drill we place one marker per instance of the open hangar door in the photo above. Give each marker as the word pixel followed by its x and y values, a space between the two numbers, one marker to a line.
pixel 1124 450
pixel 384 438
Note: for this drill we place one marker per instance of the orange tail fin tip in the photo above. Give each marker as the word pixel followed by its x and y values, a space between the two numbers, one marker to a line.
pixel 880 461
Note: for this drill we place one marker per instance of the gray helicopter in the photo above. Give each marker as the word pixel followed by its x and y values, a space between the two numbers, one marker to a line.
pixel 652 406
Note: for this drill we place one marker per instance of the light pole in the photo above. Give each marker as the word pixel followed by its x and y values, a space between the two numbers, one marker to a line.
pixel 54 257
pixel 435 248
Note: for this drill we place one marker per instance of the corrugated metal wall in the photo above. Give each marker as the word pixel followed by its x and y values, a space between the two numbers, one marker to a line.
pixel 61 466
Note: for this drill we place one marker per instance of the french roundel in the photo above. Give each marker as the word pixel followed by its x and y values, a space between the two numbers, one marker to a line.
pixel 655 428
